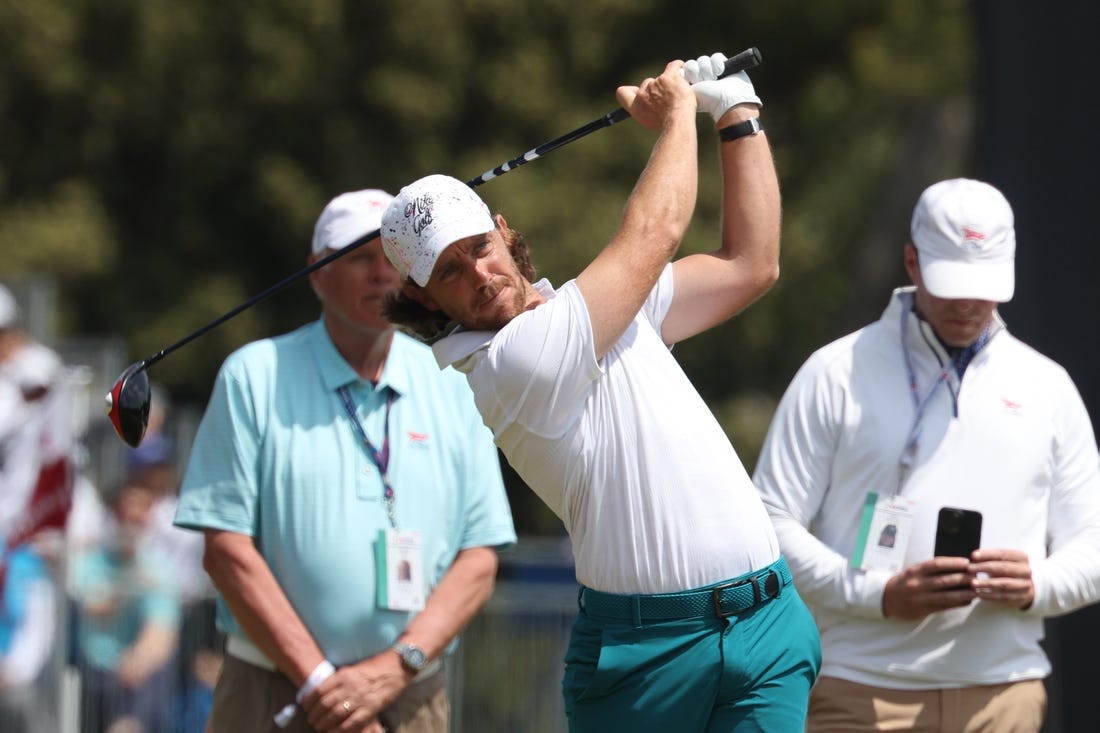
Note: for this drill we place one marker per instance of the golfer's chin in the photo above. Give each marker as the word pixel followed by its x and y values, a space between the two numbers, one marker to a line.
pixel 493 315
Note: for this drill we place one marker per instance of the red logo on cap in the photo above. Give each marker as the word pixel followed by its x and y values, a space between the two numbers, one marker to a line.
pixel 972 239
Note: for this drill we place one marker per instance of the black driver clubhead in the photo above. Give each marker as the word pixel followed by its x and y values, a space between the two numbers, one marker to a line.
pixel 128 404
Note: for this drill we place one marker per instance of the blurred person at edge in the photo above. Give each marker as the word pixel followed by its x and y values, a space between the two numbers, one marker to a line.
pixel 325 457
pixel 936 405
pixel 127 622
pixel 36 433
pixel 688 620
pixel 35 493
pixel 28 624
pixel 154 464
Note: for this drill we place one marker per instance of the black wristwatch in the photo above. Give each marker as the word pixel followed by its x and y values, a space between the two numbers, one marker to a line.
pixel 411 655
pixel 750 126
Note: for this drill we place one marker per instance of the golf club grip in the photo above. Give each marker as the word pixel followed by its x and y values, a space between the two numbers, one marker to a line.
pixel 747 59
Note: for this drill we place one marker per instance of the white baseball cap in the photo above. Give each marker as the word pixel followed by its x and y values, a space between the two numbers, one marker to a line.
pixel 425 218
pixel 964 233
pixel 349 216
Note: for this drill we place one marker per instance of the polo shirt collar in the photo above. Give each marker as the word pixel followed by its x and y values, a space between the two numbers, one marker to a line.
pixel 336 372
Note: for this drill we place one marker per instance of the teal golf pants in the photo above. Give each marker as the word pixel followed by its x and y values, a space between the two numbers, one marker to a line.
pixel 737 656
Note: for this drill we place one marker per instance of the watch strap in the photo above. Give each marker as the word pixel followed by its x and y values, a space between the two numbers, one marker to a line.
pixel 750 126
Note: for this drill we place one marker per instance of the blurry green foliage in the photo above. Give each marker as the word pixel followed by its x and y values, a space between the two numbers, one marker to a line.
pixel 165 161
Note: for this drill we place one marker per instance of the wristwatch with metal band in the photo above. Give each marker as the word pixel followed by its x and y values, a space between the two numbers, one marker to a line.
pixel 411 655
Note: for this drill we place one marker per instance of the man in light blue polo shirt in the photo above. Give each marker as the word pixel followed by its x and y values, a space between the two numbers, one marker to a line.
pixel 352 503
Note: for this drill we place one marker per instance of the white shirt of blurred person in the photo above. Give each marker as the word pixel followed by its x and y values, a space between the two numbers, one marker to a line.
pixel 35 430
pixel 323 455
pixel 936 405
pixel 673 547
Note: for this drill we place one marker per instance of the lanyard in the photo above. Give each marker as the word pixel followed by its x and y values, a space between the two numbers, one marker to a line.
pixel 909 455
pixel 381 458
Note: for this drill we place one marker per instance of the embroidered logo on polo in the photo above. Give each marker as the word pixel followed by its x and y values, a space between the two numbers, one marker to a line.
pixel 1012 408
pixel 417 440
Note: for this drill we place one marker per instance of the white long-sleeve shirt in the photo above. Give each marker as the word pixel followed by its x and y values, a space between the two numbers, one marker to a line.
pixel 1013 440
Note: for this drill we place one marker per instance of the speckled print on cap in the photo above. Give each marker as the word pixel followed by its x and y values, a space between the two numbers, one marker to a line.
pixel 425 218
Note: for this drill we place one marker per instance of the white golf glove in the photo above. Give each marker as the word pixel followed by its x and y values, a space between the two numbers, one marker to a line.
pixel 713 95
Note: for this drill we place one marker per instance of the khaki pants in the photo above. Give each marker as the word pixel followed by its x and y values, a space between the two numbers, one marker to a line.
pixel 247 697
pixel 839 706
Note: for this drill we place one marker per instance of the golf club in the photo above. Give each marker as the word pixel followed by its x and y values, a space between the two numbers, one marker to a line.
pixel 129 399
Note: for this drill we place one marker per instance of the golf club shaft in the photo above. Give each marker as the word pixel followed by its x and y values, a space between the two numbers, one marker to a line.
pixel 747 59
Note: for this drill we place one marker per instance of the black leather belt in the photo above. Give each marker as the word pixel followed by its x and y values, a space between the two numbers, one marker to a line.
pixel 717 601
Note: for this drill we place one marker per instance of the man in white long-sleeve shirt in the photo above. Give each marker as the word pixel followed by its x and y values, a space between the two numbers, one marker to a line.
pixel 936 405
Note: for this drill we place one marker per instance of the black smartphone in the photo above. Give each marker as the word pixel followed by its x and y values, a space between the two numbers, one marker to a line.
pixel 958 532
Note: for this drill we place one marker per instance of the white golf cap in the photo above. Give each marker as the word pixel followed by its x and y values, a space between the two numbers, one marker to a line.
pixel 425 218
pixel 349 216
pixel 8 308
pixel 964 233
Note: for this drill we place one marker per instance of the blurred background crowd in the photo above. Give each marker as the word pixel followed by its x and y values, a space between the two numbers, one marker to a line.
pixel 98 587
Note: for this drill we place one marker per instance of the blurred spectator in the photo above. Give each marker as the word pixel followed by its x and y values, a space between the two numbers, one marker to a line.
pixel 201 658
pixel 27 627
pixel 127 626
pixel 154 464
pixel 35 495
pixel 36 435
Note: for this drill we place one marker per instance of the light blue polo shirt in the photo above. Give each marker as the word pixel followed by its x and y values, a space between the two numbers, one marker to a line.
pixel 276 457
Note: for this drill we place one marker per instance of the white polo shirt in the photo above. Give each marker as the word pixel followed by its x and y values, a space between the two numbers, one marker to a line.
pixel 623 450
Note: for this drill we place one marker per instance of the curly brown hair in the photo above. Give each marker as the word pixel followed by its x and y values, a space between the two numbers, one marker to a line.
pixel 428 325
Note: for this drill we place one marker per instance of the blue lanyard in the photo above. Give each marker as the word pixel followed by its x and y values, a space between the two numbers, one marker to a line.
pixel 381 458
pixel 909 455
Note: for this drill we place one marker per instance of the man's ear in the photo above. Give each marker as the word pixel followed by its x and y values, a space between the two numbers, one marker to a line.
pixel 420 295
pixel 315 276
pixel 912 264
pixel 502 225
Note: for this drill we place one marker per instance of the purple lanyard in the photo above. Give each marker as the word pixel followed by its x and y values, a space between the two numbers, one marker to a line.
pixel 381 457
